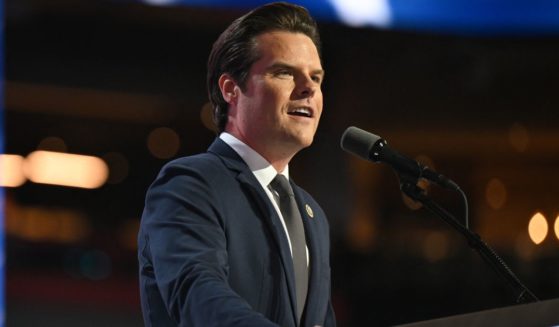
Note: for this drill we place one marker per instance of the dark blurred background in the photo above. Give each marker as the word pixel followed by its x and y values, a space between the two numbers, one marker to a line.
pixel 126 82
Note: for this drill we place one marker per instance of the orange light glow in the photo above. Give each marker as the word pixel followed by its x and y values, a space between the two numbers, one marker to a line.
pixel 435 246
pixel 519 137
pixel 496 193
pixel 65 169
pixel 11 170
pixel 537 228
pixel 43 224
pixel 163 143
pixel 557 227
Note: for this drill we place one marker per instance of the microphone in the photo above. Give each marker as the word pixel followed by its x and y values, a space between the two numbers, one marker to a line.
pixel 372 147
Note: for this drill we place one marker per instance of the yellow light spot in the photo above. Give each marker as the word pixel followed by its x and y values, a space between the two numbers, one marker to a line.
pixel 11 170
pixel 65 169
pixel 496 193
pixel 556 227
pixel 163 143
pixel 537 228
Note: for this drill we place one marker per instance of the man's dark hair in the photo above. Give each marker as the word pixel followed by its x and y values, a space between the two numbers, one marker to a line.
pixel 234 51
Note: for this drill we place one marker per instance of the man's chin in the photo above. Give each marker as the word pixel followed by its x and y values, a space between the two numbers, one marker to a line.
pixel 304 142
pixel 299 140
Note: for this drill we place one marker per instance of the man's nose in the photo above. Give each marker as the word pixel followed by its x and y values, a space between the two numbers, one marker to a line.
pixel 306 86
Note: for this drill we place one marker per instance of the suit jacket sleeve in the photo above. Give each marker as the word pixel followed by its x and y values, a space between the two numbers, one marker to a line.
pixel 184 238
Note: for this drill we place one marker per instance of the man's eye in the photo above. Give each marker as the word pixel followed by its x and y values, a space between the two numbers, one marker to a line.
pixel 283 73
pixel 317 79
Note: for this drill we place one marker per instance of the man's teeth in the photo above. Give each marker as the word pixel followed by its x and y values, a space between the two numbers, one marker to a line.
pixel 301 112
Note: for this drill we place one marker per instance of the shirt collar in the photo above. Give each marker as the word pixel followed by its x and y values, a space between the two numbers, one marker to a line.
pixel 260 167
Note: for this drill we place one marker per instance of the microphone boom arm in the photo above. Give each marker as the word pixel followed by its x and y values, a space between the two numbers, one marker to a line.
pixel 522 293
pixel 372 147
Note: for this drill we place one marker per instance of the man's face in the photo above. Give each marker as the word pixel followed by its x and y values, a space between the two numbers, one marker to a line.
pixel 281 104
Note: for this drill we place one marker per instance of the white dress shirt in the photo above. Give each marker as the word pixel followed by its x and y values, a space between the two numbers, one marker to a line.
pixel 262 170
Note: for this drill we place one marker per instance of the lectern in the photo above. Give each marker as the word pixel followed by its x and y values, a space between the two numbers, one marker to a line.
pixel 542 313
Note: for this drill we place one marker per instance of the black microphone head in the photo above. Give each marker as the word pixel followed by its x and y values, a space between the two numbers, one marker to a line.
pixel 359 142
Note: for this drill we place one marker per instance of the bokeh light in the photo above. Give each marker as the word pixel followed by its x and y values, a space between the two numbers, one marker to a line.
pixel 65 169
pixel 163 143
pixel 496 193
pixel 519 137
pixel 92 264
pixel 95 265
pixel 435 246
pixel 41 224
pixel 537 228
pixel 206 116
pixel 11 170
pixel 524 247
pixel 361 13
pixel 52 143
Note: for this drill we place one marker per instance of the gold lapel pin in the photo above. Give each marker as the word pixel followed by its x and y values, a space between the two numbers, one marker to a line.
pixel 309 211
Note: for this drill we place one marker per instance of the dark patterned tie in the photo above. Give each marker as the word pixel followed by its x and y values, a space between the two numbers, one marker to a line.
pixel 296 230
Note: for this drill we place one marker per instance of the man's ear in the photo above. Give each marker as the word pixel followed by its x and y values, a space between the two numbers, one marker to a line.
pixel 229 88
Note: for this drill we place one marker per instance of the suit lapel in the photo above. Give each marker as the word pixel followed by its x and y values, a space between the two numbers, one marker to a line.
pixel 247 179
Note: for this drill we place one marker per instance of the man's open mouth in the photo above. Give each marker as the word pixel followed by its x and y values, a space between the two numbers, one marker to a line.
pixel 301 111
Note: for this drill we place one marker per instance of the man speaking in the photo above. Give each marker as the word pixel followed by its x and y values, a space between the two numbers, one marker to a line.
pixel 226 238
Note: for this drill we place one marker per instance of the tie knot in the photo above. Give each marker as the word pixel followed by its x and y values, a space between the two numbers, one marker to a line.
pixel 281 185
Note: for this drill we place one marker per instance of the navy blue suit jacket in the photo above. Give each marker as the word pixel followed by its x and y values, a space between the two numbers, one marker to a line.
pixel 213 252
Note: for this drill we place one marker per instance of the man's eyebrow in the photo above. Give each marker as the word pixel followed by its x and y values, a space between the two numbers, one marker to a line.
pixel 282 65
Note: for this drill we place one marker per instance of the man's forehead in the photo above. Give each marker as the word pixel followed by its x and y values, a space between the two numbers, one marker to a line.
pixel 279 36
pixel 286 48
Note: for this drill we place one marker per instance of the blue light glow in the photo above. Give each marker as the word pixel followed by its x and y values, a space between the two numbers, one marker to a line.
pixel 480 17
